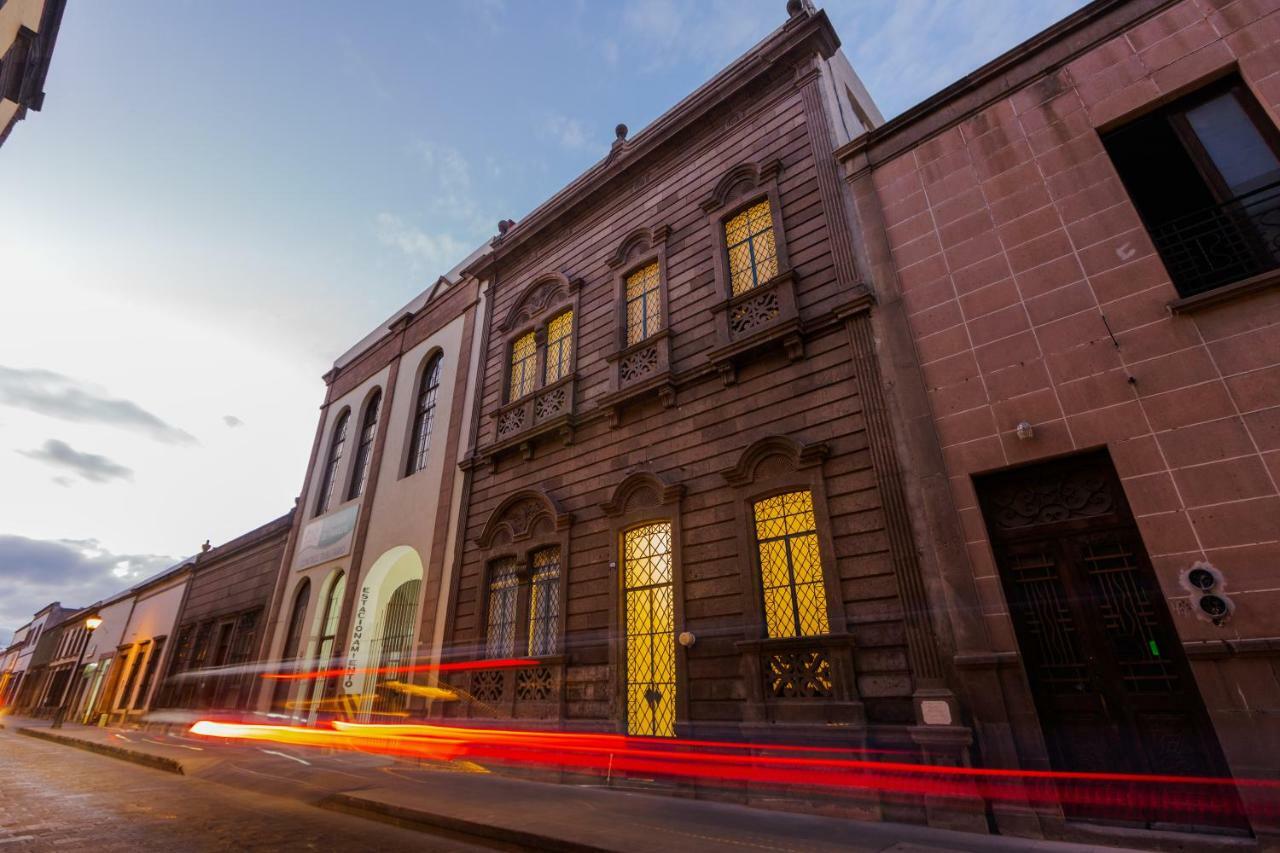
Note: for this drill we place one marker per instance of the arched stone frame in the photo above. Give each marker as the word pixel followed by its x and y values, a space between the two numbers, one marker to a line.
pixel 545 298
pixel 325 687
pixel 644 497
pixel 643 367
pixel 300 604
pixel 526 522
pixel 407 448
pixel 771 466
pixel 395 566
pixel 769 312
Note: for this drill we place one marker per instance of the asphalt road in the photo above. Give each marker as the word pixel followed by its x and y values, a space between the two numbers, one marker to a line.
pixel 53 797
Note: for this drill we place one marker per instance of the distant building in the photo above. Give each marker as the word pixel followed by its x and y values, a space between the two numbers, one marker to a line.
pixel 29 681
pixel 28 30
pixel 220 626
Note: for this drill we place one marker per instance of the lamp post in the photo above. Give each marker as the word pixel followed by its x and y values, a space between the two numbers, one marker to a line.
pixel 90 625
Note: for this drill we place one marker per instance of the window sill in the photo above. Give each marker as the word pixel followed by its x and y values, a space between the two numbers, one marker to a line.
pixel 548 410
pixel 1226 293
pixel 639 370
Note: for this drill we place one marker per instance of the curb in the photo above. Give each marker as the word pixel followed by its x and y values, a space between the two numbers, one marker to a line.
pixel 410 818
pixel 155 762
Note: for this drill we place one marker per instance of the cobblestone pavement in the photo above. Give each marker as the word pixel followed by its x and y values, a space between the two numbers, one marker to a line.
pixel 54 797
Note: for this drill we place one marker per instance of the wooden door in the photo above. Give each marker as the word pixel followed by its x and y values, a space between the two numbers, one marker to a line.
pixel 1111 683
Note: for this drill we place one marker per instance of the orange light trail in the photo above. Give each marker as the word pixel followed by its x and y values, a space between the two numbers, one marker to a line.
pixel 774 764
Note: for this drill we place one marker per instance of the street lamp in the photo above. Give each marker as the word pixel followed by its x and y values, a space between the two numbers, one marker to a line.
pixel 91 624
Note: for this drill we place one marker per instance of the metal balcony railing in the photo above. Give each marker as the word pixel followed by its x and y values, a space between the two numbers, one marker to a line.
pixel 1223 243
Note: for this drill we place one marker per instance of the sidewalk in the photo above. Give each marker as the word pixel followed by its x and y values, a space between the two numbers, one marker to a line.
pixel 535 815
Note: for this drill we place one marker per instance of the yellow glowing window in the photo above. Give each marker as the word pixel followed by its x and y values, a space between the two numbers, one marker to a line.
pixel 650 624
pixel 559 347
pixel 795 601
pixel 504 586
pixel 753 252
pixel 524 364
pixel 644 304
pixel 544 602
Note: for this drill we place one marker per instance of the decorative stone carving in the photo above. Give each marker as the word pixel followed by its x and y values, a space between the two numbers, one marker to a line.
pixel 511 422
pixel 535 685
pixel 798 675
pixel 1026 502
pixel 638 365
pixel 549 405
pixel 754 313
pixel 487 685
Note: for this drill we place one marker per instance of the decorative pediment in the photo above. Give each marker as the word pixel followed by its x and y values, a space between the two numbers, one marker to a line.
pixel 787 453
pixel 522 514
pixel 637 243
pixel 739 180
pixel 641 489
pixel 544 292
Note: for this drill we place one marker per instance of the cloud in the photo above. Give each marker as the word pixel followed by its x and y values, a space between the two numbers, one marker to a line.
pixel 569 133
pixel 708 34
pixel 76 572
pixel 57 396
pixel 232 421
pixel 433 252
pixel 87 466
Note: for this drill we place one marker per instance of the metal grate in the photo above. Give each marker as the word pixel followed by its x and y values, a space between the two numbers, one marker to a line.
pixel 544 602
pixel 644 303
pixel 524 359
pixel 798 675
pixel 1039 602
pixel 1222 243
pixel 753 251
pixel 795 600
pixel 504 585
pixel 650 617
pixel 559 347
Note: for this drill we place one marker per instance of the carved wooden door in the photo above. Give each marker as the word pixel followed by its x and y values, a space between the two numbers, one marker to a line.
pixel 1111 682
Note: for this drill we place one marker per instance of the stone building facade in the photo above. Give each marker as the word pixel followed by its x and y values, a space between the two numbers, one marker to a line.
pixel 28 31
pixel 1074 258
pixel 685 515
pixel 370 545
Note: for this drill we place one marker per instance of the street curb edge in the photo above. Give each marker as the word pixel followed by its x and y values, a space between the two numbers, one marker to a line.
pixel 155 762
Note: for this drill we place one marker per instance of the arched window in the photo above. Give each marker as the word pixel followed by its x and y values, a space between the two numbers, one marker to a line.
pixel 364 451
pixel 328 635
pixel 293 639
pixel 424 415
pixel 559 347
pixel 331 466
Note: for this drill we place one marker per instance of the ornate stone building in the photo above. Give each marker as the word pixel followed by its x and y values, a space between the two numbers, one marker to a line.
pixel 684 507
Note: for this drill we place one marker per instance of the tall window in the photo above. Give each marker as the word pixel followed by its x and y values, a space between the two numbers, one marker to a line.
pixel 293 639
pixel 644 303
pixel 336 445
pixel 424 415
pixel 328 636
pixel 559 347
pixel 649 604
pixel 544 602
pixel 504 587
pixel 524 365
pixel 795 600
pixel 364 451
pixel 153 661
pixel 753 251
pixel 1204 174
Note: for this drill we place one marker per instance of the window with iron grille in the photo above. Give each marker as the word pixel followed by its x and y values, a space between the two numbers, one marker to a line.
pixel 559 347
pixel 1204 174
pixel 524 365
pixel 753 251
pixel 336 446
pixel 644 303
pixel 544 602
pixel 795 600
pixel 504 588
pixel 364 451
pixel 293 639
pixel 424 414
pixel 649 615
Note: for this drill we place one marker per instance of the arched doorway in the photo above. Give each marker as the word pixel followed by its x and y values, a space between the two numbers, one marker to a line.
pixel 383 629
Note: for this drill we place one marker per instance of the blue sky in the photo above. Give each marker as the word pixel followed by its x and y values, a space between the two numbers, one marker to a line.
pixel 219 198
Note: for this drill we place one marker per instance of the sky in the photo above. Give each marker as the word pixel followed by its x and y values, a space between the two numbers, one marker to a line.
pixel 218 199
